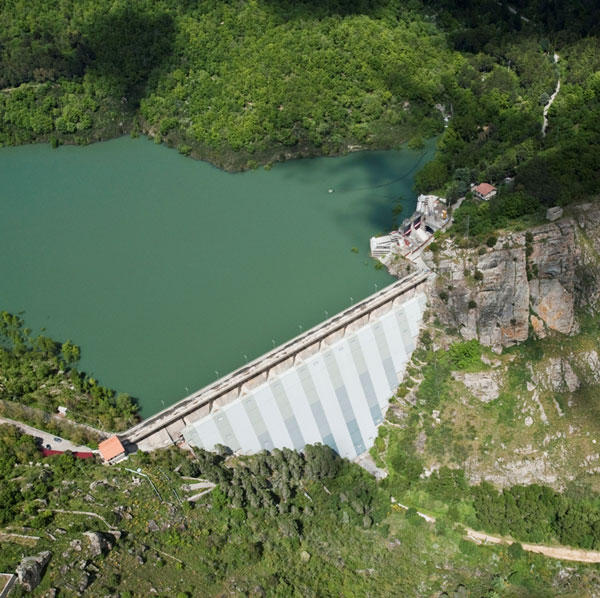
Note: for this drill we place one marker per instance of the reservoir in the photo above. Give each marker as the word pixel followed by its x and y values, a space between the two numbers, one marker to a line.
pixel 169 273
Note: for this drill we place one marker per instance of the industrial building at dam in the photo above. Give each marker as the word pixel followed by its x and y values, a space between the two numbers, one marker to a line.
pixel 336 394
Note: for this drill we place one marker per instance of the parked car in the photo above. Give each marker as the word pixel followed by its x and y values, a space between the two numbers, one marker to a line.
pixel 48 447
pixel 57 439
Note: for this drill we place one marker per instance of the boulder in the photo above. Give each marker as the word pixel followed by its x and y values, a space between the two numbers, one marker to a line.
pixel 554 213
pixel 31 568
pixel 98 543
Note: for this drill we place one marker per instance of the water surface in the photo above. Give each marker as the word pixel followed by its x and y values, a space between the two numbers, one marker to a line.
pixel 169 272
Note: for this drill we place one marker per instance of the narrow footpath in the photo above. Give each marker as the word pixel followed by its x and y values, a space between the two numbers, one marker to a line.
pixel 552 98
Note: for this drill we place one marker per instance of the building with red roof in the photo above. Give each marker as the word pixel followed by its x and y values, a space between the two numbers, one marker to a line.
pixel 484 191
pixel 112 450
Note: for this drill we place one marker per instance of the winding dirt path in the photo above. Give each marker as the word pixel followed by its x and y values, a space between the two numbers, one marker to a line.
pixel 564 553
pixel 87 514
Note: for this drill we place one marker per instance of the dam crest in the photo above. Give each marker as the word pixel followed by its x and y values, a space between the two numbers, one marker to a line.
pixel 332 384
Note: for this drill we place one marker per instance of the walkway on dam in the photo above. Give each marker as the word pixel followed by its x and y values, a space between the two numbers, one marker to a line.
pixel 157 424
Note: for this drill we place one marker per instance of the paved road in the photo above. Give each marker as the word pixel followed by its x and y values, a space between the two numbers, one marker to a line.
pixel 63 445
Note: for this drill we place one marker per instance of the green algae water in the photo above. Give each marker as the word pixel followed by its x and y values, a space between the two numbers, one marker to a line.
pixel 169 272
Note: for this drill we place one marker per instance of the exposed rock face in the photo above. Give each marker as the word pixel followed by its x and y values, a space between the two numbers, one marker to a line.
pixel 490 296
pixel 588 266
pixel 98 543
pixel 483 385
pixel 501 299
pixel 557 376
pixel 553 262
pixel 31 569
pixel 535 470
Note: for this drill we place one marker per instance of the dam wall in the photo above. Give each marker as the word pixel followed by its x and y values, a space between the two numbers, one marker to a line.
pixel 331 384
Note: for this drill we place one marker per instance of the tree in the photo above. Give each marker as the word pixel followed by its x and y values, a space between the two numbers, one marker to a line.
pixel 70 352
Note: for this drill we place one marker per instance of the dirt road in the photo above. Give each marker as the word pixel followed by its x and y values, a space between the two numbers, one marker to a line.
pixel 564 553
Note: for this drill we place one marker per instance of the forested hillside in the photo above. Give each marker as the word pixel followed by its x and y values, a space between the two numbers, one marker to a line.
pixel 257 78
pixel 244 83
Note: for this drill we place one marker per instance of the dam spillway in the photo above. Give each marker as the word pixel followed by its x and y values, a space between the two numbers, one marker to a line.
pixel 332 384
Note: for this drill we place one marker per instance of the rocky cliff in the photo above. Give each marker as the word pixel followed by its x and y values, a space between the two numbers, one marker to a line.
pixel 528 282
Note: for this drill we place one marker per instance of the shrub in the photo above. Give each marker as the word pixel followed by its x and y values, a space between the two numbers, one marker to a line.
pixel 478 275
pixel 443 296
pixel 466 354
pixel 482 251
pixel 472 304
pixel 516 551
pixel 491 241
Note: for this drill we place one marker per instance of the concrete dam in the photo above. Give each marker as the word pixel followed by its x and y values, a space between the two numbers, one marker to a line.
pixel 331 384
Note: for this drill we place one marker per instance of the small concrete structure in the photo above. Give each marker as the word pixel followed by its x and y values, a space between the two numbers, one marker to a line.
pixel 484 191
pixel 430 216
pixel 554 213
pixel 111 450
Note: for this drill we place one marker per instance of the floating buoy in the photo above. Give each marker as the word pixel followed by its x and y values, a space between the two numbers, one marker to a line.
pixel 330 190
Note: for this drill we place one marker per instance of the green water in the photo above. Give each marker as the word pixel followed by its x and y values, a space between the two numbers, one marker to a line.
pixel 166 270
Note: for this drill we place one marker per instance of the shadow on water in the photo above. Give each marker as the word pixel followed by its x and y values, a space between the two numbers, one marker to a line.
pixel 384 183
pixel 125 46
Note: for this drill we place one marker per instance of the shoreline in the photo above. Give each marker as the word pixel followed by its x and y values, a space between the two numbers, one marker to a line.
pixel 227 160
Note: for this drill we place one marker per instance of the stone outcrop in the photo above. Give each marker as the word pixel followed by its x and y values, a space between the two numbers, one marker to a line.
pixel 556 375
pixel 99 543
pixel 482 385
pixel 494 294
pixel 587 281
pixel 31 568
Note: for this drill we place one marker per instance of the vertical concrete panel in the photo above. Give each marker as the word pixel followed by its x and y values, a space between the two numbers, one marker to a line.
pixel 405 331
pixel 265 401
pixel 398 349
pixel 414 314
pixel 355 390
pixel 258 423
pixel 208 433
pixel 331 407
pixel 301 407
pixel 242 428
pixel 344 401
pixel 316 407
pixel 365 379
pixel 287 414
pixel 375 366
pixel 225 428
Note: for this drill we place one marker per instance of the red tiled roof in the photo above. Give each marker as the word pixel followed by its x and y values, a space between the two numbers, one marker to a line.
pixel 79 455
pixel 110 448
pixel 484 188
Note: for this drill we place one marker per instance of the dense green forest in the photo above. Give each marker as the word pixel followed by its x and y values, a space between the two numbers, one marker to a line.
pixel 37 375
pixel 230 81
